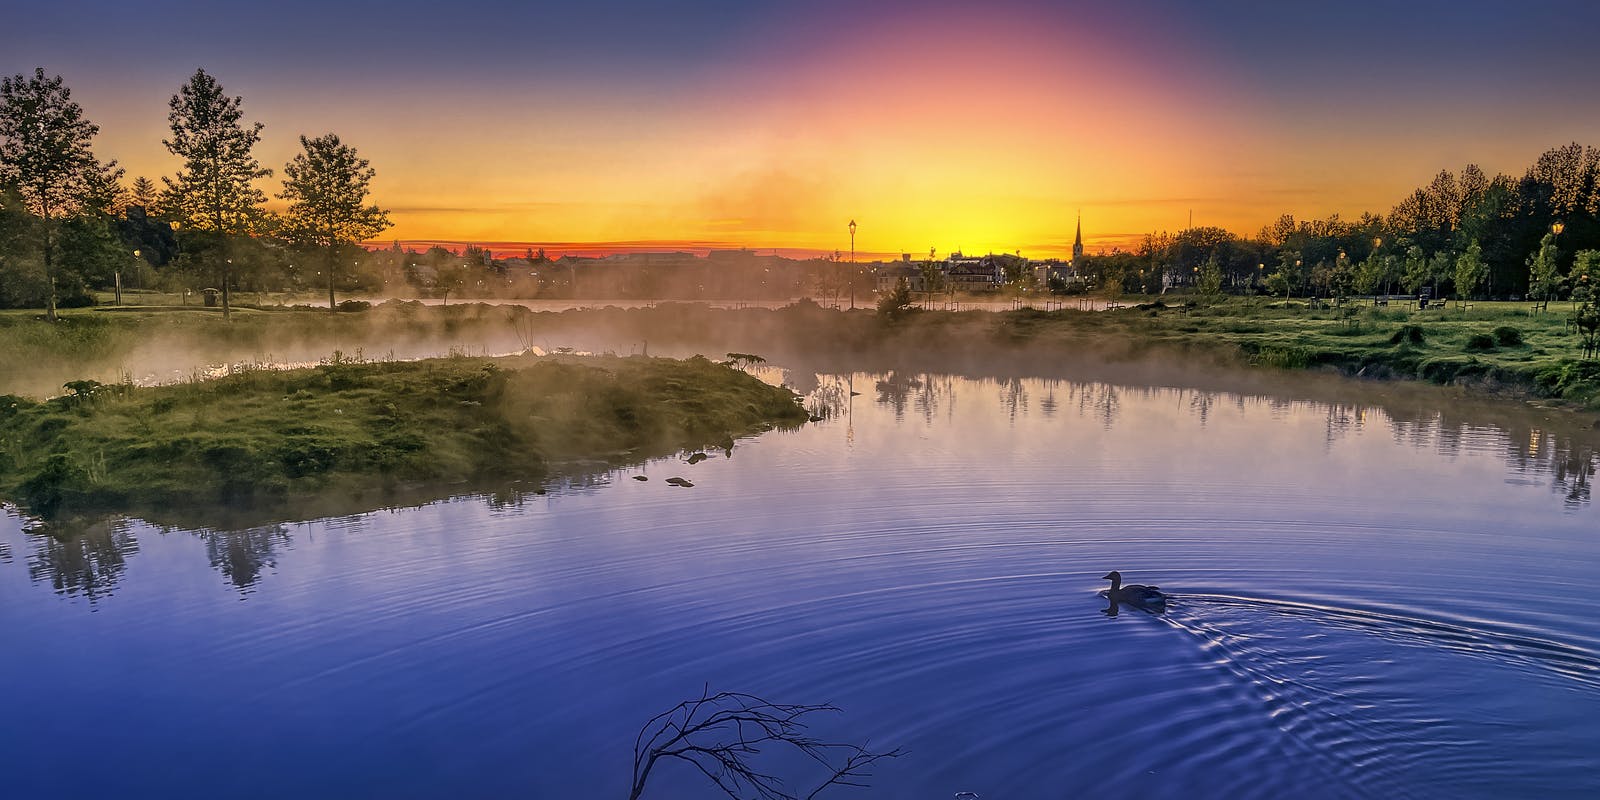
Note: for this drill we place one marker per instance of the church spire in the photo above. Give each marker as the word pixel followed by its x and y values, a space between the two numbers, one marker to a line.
pixel 1077 241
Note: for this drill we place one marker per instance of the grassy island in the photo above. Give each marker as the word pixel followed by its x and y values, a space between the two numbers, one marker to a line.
pixel 271 438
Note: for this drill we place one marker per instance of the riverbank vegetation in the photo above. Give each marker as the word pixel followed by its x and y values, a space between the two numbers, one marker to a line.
pixel 1510 348
pixel 270 439
pixel 1507 348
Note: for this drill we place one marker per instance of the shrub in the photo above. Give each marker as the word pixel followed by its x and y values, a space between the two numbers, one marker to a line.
pixel 1508 336
pixel 1283 357
pixel 1480 342
pixel 1408 334
pixel 896 302
pixel 354 305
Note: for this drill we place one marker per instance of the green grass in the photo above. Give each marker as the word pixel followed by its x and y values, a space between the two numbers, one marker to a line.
pixel 269 439
pixel 1499 347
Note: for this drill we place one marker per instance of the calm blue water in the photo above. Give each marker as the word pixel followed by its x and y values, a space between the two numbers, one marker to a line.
pixel 1369 603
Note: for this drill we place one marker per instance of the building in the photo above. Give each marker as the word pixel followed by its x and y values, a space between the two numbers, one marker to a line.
pixel 967 274
pixel 1068 274
pixel 887 275
pixel 1077 243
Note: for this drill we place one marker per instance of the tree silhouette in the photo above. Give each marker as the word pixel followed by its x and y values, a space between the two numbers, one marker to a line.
pixel 45 157
pixel 721 734
pixel 143 193
pixel 327 187
pixel 215 189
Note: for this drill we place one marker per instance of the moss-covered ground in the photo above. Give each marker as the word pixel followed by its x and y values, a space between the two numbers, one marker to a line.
pixel 272 438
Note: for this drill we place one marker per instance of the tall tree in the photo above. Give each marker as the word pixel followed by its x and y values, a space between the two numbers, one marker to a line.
pixel 45 157
pixel 1470 271
pixel 215 190
pixel 327 187
pixel 1417 273
pixel 1210 280
pixel 143 193
pixel 1544 276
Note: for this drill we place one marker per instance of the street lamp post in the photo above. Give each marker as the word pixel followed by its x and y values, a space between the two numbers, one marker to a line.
pixel 1555 231
pixel 852 263
pixel 118 276
pixel 177 246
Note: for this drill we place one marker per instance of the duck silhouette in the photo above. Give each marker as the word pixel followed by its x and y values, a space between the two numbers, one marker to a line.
pixel 1134 594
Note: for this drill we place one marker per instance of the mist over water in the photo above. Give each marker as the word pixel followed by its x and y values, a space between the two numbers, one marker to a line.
pixel 1377 593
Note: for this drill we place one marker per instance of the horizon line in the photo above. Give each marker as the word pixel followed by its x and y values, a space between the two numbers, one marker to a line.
pixel 504 248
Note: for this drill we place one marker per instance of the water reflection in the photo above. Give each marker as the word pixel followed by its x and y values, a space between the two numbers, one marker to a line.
pixel 1528 443
pixel 1098 401
pixel 1013 397
pixel 1114 607
pixel 1573 468
pixel 89 558
pixel 242 555
pixel 83 559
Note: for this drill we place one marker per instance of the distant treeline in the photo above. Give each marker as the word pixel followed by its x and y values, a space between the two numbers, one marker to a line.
pixel 71 226
pixel 1466 234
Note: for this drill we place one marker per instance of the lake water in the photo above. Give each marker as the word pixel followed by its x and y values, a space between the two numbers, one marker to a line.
pixel 1369 601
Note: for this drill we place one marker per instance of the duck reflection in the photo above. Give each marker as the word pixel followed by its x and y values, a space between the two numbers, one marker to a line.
pixel 1114 607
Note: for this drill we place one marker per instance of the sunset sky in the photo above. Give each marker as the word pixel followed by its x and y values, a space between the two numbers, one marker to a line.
pixel 722 123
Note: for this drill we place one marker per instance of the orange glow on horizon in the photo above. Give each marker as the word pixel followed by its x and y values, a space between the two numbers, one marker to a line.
pixel 957 132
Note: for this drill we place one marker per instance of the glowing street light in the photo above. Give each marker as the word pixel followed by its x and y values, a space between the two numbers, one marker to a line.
pixel 118 276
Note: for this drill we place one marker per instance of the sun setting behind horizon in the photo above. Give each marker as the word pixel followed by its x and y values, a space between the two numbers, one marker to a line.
pixel 934 125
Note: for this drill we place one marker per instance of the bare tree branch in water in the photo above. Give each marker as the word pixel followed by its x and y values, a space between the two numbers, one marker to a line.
pixel 720 734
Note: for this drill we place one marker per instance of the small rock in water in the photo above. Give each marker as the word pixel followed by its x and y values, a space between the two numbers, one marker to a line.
pixel 679 482
pixel 697 458
pixel 640 478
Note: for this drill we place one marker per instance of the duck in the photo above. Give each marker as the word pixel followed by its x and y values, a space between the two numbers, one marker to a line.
pixel 1135 594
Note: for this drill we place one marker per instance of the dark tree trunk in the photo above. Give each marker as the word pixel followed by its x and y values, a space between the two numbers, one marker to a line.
pixel 333 263
pixel 49 273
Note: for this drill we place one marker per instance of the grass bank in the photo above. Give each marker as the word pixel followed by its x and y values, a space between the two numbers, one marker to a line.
pixel 1492 347
pixel 269 440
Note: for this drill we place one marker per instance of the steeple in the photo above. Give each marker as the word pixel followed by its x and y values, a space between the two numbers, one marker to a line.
pixel 1077 241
